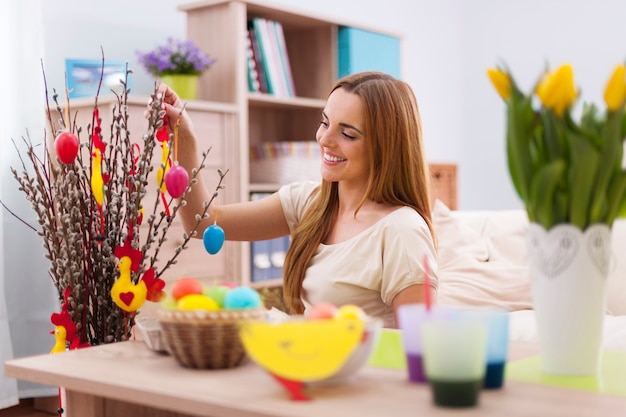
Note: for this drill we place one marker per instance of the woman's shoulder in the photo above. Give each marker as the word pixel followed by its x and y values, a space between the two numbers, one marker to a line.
pixel 299 188
pixel 295 198
pixel 404 219
pixel 297 194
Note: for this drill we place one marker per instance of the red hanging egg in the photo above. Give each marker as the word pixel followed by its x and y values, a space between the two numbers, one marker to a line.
pixel 176 180
pixel 66 146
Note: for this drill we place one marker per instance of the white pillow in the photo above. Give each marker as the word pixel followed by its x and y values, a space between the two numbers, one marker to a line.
pixel 479 271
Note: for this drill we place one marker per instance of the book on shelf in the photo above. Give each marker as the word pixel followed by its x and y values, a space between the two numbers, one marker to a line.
pixel 254 84
pixel 258 26
pixel 284 58
pixel 258 59
pixel 273 56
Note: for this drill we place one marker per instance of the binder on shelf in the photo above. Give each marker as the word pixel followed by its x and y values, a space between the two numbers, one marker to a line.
pixel 361 50
pixel 261 267
pixel 278 250
pixel 267 256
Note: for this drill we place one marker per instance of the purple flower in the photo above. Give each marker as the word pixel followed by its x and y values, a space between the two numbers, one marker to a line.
pixel 175 57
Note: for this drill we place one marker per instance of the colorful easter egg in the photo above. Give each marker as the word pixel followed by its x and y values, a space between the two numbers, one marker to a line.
pixel 351 311
pixel 322 311
pixel 213 238
pixel 186 286
pixel 176 180
pixel 197 302
pixel 66 145
pixel 217 293
pixel 168 303
pixel 241 298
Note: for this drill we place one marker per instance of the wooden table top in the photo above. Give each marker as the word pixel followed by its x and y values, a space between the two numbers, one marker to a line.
pixel 130 372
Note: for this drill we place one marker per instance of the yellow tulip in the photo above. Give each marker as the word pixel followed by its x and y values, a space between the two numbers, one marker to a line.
pixel 501 82
pixel 615 91
pixel 557 91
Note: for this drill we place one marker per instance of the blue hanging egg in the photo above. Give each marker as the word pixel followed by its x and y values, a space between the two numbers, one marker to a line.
pixel 213 238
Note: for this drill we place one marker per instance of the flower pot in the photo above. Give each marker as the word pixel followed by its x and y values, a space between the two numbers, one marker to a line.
pixel 568 272
pixel 185 85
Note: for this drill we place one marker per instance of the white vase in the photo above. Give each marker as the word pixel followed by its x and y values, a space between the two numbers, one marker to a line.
pixel 568 273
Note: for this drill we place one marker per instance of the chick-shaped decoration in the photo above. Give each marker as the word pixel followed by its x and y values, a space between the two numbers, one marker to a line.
pixel 64 328
pixel 164 167
pixel 298 351
pixel 97 180
pixel 60 338
pixel 127 295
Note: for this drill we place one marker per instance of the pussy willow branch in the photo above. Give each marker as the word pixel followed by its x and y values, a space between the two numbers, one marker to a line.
pixel 81 254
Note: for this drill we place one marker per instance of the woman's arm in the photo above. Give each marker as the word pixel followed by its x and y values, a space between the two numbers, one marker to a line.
pixel 411 295
pixel 254 220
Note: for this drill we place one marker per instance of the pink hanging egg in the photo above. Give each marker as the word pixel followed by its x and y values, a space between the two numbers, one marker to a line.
pixel 66 146
pixel 176 180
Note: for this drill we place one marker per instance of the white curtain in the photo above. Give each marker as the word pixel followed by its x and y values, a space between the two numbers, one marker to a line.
pixel 27 297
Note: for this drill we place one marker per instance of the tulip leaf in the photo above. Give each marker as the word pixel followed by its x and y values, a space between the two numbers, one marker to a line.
pixel 519 127
pixel 543 191
pixel 582 174
pixel 610 164
pixel 616 197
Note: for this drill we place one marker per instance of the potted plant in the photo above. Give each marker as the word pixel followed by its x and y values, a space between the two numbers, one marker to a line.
pixel 100 232
pixel 569 175
pixel 178 64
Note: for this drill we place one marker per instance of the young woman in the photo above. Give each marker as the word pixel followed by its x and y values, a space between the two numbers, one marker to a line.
pixel 362 234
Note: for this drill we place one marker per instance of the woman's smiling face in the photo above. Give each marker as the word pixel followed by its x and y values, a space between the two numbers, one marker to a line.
pixel 341 136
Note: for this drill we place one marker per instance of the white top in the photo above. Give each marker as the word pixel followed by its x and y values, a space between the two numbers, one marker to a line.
pixel 370 268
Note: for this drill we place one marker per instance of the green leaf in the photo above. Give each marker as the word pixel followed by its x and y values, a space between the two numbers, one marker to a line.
pixel 582 175
pixel 616 197
pixel 609 165
pixel 520 118
pixel 553 139
pixel 543 192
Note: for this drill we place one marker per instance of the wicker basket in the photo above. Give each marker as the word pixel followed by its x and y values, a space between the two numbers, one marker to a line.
pixel 206 339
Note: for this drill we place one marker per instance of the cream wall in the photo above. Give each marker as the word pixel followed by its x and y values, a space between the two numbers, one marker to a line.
pixel 447 45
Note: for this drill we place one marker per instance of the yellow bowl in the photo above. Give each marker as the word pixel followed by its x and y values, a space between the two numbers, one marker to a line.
pixel 311 351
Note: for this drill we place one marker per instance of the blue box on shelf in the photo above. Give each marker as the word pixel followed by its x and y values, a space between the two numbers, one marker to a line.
pixel 363 50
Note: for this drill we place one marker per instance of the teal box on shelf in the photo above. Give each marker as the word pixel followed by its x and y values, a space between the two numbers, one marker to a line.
pixel 363 50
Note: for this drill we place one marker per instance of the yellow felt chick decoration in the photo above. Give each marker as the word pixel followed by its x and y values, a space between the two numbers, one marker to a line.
pixel 60 335
pixel 164 166
pixel 300 351
pixel 97 181
pixel 127 295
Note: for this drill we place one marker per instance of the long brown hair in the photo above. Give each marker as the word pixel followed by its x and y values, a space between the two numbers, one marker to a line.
pixel 398 171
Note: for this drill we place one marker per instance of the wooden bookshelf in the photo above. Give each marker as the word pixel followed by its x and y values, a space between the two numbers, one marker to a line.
pixel 220 28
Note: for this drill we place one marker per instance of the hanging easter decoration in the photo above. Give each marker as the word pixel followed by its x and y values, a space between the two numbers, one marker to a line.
pixel 176 178
pixel 163 137
pixel 66 146
pixel 213 237
pixel 98 180
pixel 125 293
